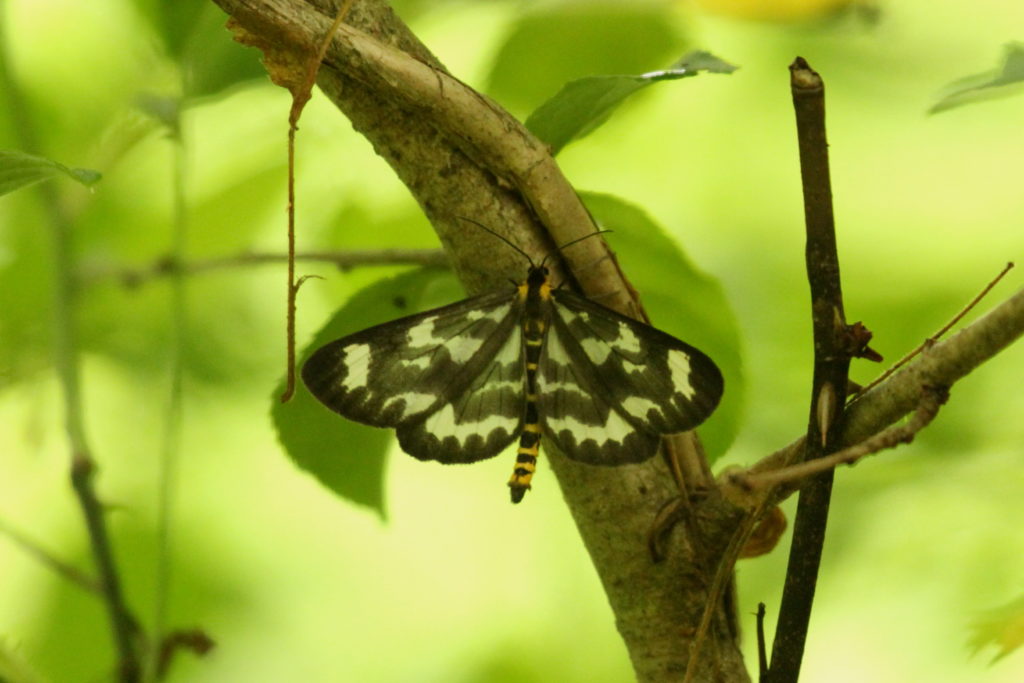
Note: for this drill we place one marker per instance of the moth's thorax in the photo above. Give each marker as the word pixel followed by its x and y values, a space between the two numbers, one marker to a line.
pixel 537 285
pixel 534 294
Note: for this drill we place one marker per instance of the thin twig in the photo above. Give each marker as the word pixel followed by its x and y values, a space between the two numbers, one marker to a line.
pixel 943 364
pixel 723 575
pixel 194 640
pixel 292 288
pixel 170 450
pixel 762 653
pixel 932 399
pixel 48 559
pixel 938 335
pixel 301 94
pixel 831 365
pixel 122 623
pixel 168 266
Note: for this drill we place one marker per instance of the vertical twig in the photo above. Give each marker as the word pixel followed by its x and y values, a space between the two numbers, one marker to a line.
pixel 48 559
pixel 301 92
pixel 831 363
pixel 927 343
pixel 122 623
pixel 171 447
pixel 762 650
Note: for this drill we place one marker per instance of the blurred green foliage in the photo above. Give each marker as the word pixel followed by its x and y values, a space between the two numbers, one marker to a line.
pixel 1002 627
pixel 293 582
pixel 1002 82
pixel 18 169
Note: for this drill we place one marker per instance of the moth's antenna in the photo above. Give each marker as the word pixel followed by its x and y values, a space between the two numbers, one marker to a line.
pixel 500 237
pixel 525 255
pixel 580 239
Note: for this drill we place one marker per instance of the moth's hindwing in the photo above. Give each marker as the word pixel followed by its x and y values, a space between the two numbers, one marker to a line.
pixel 449 380
pixel 610 386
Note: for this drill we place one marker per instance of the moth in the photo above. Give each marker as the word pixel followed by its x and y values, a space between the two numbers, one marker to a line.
pixel 461 383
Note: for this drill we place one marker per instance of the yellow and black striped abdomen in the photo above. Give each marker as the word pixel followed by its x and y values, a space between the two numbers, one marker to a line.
pixel 535 294
pixel 529 440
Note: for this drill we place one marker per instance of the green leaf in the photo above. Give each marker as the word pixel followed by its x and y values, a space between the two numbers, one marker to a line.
pixel 192 34
pixel 536 58
pixel 681 300
pixel 584 104
pixel 172 22
pixel 348 457
pixel 989 85
pixel 18 169
pixel 215 65
pixel 1002 627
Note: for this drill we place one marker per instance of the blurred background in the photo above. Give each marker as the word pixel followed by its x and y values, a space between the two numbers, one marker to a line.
pixel 922 577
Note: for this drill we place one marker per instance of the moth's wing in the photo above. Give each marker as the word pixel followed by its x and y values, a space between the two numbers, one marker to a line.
pixel 479 419
pixel 426 375
pixel 613 385
pixel 575 409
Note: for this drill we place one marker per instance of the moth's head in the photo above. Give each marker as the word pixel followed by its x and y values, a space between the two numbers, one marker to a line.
pixel 538 275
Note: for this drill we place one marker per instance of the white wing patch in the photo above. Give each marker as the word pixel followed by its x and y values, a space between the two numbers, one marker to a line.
pixel 413 402
pixel 357 365
pixel 640 407
pixel 598 349
pixel 422 335
pixel 418 363
pixel 679 367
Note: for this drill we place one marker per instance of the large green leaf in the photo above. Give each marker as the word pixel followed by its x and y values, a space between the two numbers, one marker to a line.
pixel 18 169
pixel 681 300
pixel 348 457
pixel 551 45
pixel 583 105
pixel 193 35
pixel 1001 82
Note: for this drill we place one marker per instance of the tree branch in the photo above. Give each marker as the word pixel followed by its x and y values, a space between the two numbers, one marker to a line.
pixel 167 266
pixel 932 399
pixel 942 364
pixel 831 364
pixel 938 335
pixel 48 559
